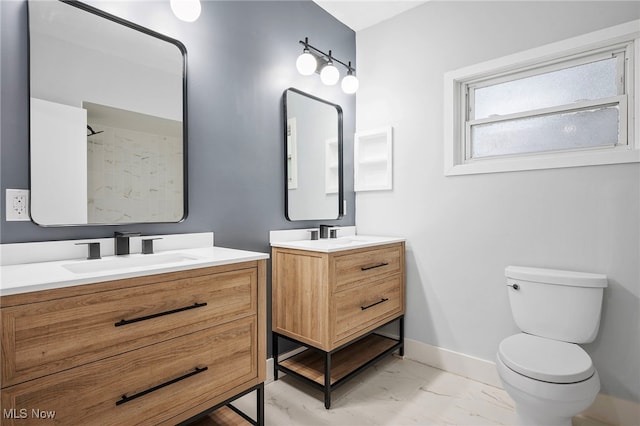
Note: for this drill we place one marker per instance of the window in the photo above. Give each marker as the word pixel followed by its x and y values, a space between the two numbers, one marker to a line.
pixel 562 105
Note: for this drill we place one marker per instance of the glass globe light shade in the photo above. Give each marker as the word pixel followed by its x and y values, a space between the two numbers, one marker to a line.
pixel 306 63
pixel 329 74
pixel 186 10
pixel 350 84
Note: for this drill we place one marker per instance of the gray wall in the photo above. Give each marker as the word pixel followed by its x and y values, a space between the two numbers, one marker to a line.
pixel 241 58
pixel 463 230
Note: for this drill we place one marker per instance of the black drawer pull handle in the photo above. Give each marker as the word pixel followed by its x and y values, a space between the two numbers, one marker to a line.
pixel 366 268
pixel 160 314
pixel 126 398
pixel 384 299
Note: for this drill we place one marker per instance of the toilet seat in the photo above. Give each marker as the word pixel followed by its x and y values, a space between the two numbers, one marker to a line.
pixel 546 360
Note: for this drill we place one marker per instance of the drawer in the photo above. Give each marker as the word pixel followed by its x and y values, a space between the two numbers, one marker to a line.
pixel 144 386
pixel 367 307
pixel 352 269
pixel 47 337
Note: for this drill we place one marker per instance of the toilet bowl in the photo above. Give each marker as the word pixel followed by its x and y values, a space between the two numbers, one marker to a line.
pixel 549 381
pixel 549 377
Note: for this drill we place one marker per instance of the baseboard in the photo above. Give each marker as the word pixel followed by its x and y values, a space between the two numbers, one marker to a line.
pixel 269 371
pixel 474 368
pixel 606 408
pixel 281 357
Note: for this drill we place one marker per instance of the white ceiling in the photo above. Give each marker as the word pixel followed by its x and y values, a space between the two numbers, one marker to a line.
pixel 360 14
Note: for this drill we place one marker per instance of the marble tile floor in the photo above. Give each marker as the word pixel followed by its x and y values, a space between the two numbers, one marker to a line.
pixel 392 392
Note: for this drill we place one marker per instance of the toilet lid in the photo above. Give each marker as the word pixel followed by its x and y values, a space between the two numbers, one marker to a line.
pixel 545 359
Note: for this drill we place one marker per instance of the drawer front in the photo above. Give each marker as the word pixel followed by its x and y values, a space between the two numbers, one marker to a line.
pixel 367 307
pixel 46 337
pixel 144 386
pixel 373 264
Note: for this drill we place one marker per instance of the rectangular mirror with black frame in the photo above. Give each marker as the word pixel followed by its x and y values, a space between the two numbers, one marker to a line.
pixel 107 119
pixel 313 163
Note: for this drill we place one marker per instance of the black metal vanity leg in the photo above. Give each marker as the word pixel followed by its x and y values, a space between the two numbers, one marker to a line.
pixel 327 380
pixel 401 353
pixel 260 403
pixel 275 356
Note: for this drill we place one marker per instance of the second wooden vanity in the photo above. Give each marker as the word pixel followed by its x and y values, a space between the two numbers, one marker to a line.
pixel 156 349
pixel 332 303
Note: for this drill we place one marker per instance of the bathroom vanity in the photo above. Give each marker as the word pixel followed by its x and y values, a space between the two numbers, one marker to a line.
pixel 133 347
pixel 331 297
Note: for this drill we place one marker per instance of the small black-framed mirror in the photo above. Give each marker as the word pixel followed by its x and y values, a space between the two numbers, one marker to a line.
pixel 108 119
pixel 313 157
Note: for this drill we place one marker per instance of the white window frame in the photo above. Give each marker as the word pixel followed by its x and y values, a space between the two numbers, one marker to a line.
pixel 456 126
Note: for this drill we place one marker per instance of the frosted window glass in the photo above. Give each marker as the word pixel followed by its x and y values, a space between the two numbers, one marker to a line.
pixel 573 130
pixel 594 80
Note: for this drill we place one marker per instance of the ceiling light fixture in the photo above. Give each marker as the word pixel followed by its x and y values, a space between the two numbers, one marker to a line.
pixel 186 10
pixel 314 60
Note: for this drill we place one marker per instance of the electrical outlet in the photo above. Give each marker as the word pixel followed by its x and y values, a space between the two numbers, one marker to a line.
pixel 17 205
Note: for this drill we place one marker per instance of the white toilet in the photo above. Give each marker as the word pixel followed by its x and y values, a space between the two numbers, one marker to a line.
pixel 549 377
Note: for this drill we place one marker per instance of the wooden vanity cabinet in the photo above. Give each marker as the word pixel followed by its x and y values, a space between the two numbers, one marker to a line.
pixel 331 303
pixel 158 349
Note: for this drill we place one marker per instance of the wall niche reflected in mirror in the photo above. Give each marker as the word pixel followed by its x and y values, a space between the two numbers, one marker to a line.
pixel 313 163
pixel 107 119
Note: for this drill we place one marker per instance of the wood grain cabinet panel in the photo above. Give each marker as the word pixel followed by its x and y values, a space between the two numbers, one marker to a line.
pixel 359 308
pixel 318 298
pixel 49 336
pixel 372 264
pixel 301 278
pixel 149 350
pixel 93 394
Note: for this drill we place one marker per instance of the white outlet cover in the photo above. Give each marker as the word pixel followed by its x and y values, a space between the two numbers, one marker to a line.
pixel 17 205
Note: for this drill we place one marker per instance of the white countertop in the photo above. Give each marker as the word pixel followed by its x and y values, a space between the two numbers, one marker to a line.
pixel 28 277
pixel 329 245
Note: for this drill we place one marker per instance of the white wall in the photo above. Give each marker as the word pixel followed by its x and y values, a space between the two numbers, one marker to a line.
pixel 61 141
pixel 68 76
pixel 462 231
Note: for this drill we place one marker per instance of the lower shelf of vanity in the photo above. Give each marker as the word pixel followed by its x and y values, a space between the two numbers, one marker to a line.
pixel 224 416
pixel 328 370
pixel 310 363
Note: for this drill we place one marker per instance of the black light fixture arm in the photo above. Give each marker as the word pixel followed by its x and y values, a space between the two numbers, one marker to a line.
pixel 329 56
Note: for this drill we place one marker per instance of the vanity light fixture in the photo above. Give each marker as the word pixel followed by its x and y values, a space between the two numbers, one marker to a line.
pixel 186 10
pixel 329 73
pixel 314 60
pixel 306 62
pixel 350 83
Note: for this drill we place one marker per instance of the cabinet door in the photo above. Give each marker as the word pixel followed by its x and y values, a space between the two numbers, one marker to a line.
pixel 366 307
pixel 46 337
pixel 144 386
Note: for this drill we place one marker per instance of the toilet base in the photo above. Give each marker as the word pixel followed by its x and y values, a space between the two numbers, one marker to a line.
pixel 524 418
pixel 546 404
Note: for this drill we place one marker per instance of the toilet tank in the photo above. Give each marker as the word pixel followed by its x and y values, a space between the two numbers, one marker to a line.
pixel 560 305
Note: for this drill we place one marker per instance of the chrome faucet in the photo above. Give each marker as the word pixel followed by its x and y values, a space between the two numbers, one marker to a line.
pixel 122 241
